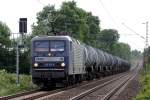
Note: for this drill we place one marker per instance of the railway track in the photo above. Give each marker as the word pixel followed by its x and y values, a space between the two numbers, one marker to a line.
pixel 71 93
pixel 106 92
pixel 113 91
pixel 99 90
pixel 18 95
pixel 103 88
pixel 31 95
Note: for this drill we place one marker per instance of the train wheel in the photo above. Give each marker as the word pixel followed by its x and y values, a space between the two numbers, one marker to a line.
pixel 66 82
pixel 80 78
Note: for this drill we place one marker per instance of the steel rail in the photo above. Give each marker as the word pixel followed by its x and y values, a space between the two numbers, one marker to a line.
pixel 113 91
pixel 123 84
pixel 19 94
pixel 83 94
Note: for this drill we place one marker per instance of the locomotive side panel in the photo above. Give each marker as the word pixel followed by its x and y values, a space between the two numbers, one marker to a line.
pixel 77 60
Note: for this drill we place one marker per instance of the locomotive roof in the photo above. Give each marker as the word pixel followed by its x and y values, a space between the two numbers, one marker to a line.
pixel 45 37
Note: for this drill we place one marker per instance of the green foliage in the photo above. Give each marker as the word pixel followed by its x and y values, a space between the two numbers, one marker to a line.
pixel 6 55
pixel 8 84
pixel 69 19
pixel 4 35
pixel 121 50
pixel 43 26
pixel 109 35
pixel 145 78
pixel 145 92
pixel 7 59
pixel 108 41
pixel 107 38
pixel 24 63
pixel 148 55
pixel 135 54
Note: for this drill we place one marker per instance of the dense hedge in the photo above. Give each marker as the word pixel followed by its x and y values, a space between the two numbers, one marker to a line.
pixel 8 61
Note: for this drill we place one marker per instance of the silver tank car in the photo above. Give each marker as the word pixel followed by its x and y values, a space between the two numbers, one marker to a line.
pixel 96 59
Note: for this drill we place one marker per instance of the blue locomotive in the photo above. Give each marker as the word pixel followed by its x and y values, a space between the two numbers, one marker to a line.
pixel 62 59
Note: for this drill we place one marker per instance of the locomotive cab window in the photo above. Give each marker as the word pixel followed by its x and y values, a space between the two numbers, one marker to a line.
pixel 57 45
pixel 41 46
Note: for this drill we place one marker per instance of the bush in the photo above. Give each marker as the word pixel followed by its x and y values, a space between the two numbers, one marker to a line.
pixel 145 81
pixel 8 61
pixel 8 84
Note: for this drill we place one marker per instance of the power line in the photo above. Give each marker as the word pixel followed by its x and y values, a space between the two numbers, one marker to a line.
pixel 133 31
pixel 108 13
pixel 128 34
pixel 134 42
pixel 41 3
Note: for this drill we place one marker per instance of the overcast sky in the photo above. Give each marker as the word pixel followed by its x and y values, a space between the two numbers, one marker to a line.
pixel 112 13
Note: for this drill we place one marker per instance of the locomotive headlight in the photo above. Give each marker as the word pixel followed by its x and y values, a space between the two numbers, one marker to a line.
pixel 63 64
pixel 35 64
pixel 49 54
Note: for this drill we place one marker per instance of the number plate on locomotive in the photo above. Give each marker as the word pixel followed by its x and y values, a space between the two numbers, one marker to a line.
pixel 49 58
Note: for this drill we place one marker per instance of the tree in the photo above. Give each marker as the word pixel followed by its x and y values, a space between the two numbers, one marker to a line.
pixel 4 35
pixel 107 38
pixel 135 54
pixel 70 20
pixel 6 56
pixel 122 50
pixel 76 22
pixel 43 26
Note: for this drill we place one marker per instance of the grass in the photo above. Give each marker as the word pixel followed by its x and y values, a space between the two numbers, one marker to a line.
pixel 8 84
pixel 145 81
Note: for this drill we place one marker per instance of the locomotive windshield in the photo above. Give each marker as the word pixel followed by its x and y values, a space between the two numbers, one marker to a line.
pixel 41 46
pixel 46 46
pixel 57 46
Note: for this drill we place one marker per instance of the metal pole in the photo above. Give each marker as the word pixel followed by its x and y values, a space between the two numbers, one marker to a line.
pixel 146 48
pixel 146 35
pixel 17 64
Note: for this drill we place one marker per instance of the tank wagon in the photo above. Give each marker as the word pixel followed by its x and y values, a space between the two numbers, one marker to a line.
pixel 62 59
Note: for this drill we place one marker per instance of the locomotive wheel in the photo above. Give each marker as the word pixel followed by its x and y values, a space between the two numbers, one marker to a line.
pixel 71 80
pixel 66 82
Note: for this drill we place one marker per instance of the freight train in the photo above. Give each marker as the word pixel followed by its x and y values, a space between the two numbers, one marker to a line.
pixel 65 60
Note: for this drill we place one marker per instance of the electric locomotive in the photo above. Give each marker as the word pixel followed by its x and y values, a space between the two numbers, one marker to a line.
pixel 53 59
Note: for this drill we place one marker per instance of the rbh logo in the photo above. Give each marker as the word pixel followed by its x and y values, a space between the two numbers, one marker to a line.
pixel 39 59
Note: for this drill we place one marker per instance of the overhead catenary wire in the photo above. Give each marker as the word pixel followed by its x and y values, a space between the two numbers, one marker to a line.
pixel 108 13
pixel 133 31
pixel 112 19
pixel 41 3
